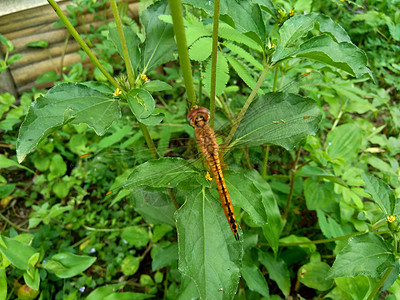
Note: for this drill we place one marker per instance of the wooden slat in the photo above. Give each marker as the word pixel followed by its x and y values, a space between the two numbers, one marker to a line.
pixel 37 24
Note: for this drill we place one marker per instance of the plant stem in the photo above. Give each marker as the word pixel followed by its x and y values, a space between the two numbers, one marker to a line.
pixel 179 30
pixel 82 43
pixel 245 107
pixel 292 179
pixel 323 241
pixel 13 224
pixel 379 285
pixel 275 79
pixel 214 62
pixel 264 169
pixel 129 70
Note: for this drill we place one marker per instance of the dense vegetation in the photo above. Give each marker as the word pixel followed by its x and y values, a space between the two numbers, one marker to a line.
pixel 313 174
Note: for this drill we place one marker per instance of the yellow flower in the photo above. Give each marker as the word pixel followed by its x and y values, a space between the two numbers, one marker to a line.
pixel 291 13
pixel 391 219
pixel 117 92
pixel 144 77
pixel 208 177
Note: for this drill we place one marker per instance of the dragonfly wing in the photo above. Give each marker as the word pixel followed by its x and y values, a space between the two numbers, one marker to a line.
pixel 285 121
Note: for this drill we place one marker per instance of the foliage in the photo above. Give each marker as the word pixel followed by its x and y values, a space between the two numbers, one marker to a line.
pixel 316 206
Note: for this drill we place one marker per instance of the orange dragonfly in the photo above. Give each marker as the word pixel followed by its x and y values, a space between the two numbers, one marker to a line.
pixel 274 125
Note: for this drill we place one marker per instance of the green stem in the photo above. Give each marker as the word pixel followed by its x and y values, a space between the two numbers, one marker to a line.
pixel 179 30
pixel 292 180
pixel 13 224
pixel 264 169
pixel 379 285
pixel 214 62
pixel 82 43
pixel 323 241
pixel 275 80
pixel 148 140
pixel 245 107
pixel 131 76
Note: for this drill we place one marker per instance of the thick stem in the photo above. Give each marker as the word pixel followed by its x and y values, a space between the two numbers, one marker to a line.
pixel 129 70
pixel 214 62
pixel 82 43
pixel 179 30
pixel 379 285
pixel 264 169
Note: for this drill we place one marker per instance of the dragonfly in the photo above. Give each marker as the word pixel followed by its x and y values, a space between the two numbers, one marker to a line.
pixel 277 118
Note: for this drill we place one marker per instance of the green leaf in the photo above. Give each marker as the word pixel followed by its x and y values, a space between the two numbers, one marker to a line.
pixel 344 142
pixel 38 44
pixel 244 54
pixel 227 32
pixel 318 194
pixel 163 172
pixel 160 231
pixel 299 239
pixel 136 235
pixel 155 207
pixel 128 296
pixel 352 288
pixel 130 265
pixel 367 254
pixel 66 265
pixel 116 137
pixel 159 45
pixel 34 282
pixel 132 42
pixel 262 124
pixel 18 258
pixel 6 42
pixel 104 291
pixel 164 257
pixel 381 193
pixel 48 77
pixel 315 275
pixel 141 103
pixel 58 167
pixel 157 86
pixel 333 47
pixel 255 279
pixel 312 171
pixel 3 284
pixel 208 251
pixel 13 58
pixel 243 72
pixel 201 49
pixel 222 75
pixel 7 163
pixel 329 227
pixel 65 103
pixel 277 269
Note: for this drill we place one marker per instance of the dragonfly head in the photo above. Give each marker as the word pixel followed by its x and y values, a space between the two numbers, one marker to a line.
pixel 198 116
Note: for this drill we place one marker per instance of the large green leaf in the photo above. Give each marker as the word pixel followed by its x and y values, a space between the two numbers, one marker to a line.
pixel 279 119
pixel 367 254
pixel 315 276
pixel 65 103
pixel 277 269
pixel 255 279
pixel 18 253
pixel 104 291
pixel 208 252
pixel 159 46
pixel 66 265
pixel 381 193
pixel 318 194
pixel 344 142
pixel 333 47
pixel 132 42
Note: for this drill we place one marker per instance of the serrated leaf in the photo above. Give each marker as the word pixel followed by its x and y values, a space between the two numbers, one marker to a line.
pixel 279 119
pixel 65 103
pixel 159 45
pixel 243 72
pixel 208 251
pixel 381 193
pixel 66 265
pixel 244 54
pixel 222 75
pixel 227 32
pixel 367 254
pixel 201 49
